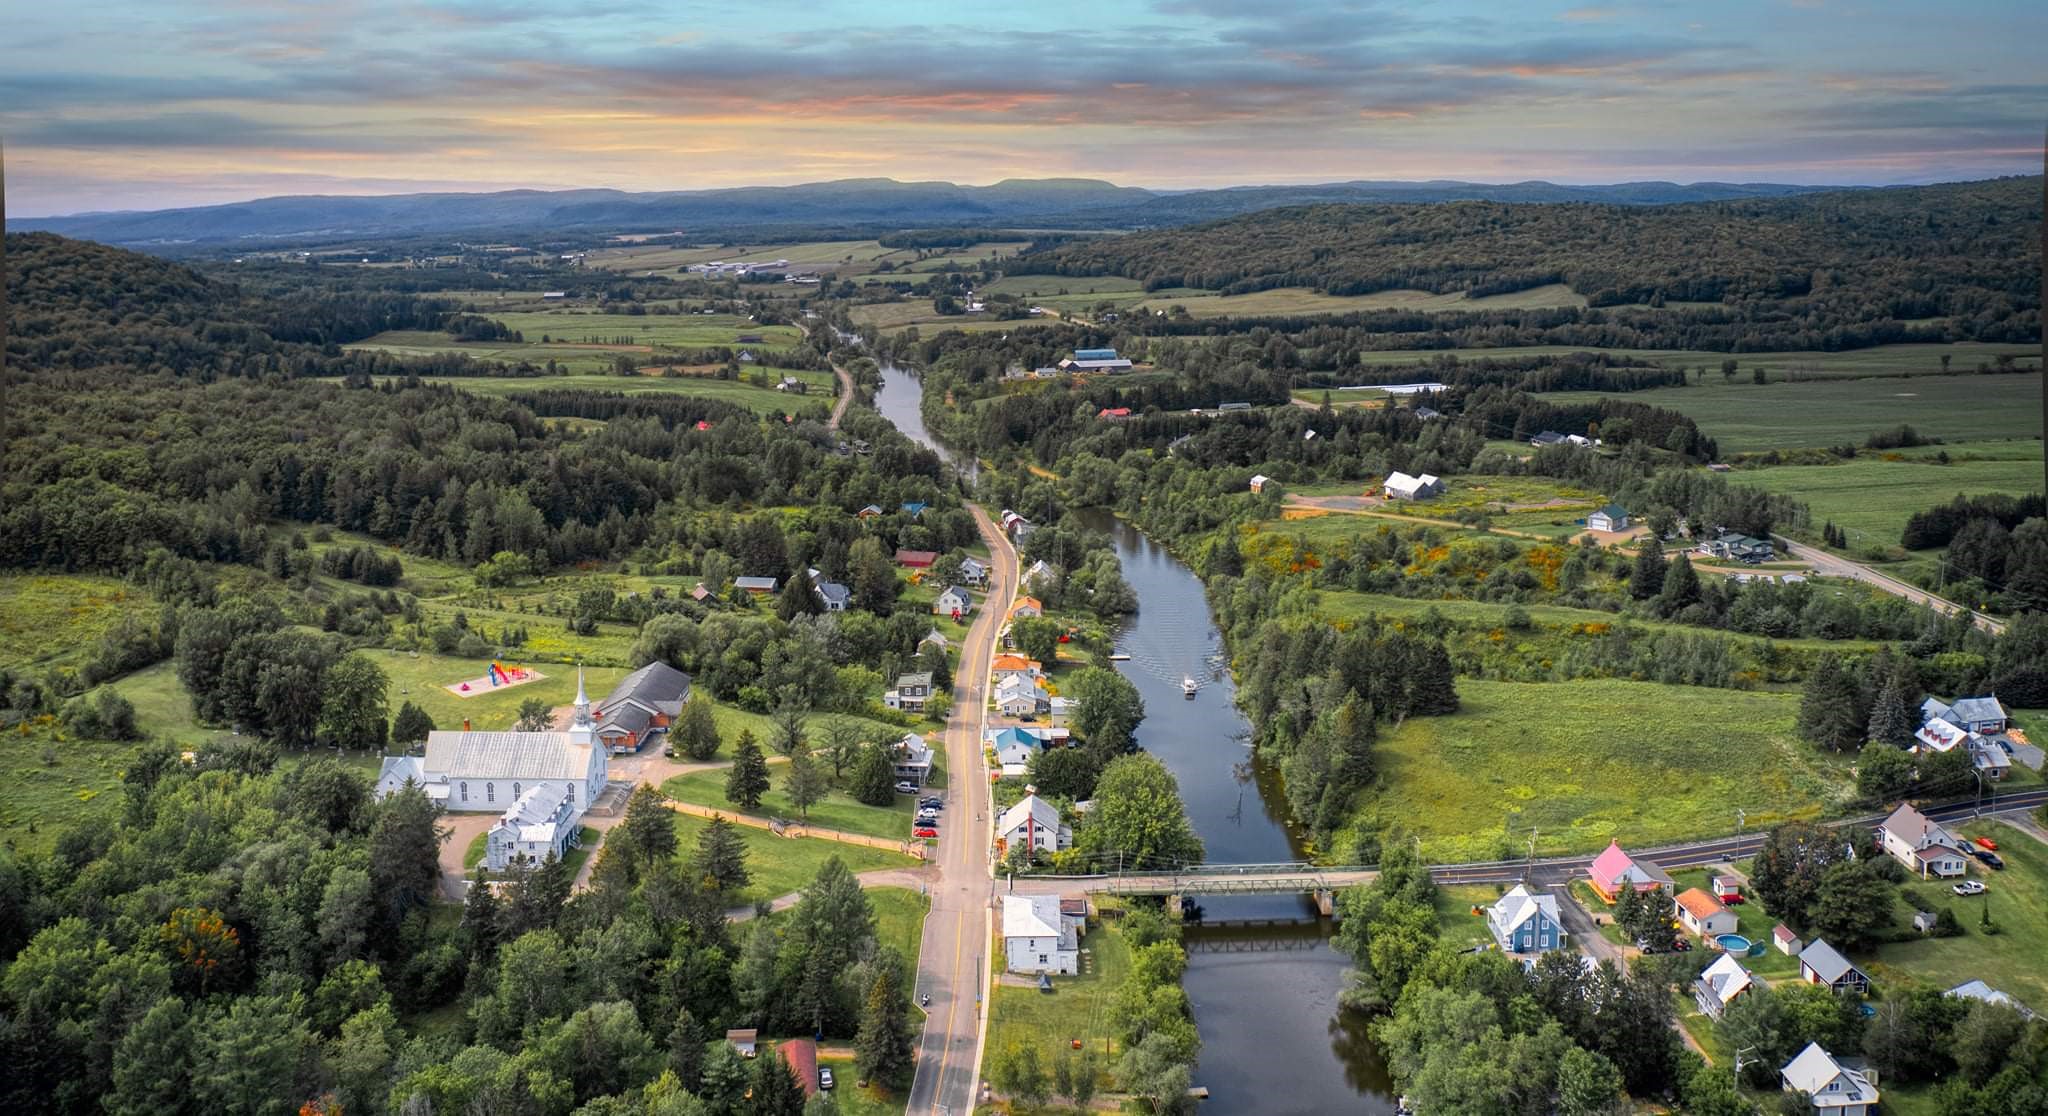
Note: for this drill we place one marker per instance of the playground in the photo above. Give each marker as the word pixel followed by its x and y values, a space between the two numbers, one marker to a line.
pixel 498 677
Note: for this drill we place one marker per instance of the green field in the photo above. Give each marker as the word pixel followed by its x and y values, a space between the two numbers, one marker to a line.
pixel 49 783
pixel 1745 417
pixel 765 400
pixel 1879 360
pixel 668 257
pixel 1078 1007
pixel 780 865
pixel 1571 760
pixel 1301 300
pixel 837 811
pixel 1872 496
pixel 49 620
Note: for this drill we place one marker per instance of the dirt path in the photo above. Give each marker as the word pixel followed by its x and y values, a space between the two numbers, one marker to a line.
pixel 845 397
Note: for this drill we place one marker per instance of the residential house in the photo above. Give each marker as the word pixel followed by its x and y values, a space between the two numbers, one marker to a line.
pixel 1918 843
pixel 1113 413
pixel 1983 715
pixel 1721 983
pixel 916 559
pixel 793 385
pixel 1037 938
pixel 1035 824
pixel 934 638
pixel 1614 869
pixel 911 759
pixel 1702 914
pixel 1401 486
pixel 1014 752
pixel 542 823
pixel 1523 922
pixel 756 585
pixel 1259 481
pixel 833 596
pixel 641 707
pixel 1027 606
pixel 485 772
pixel 1003 666
pixel 1738 548
pixel 1022 696
pixel 1547 438
pixel 974 571
pixel 911 693
pixel 1039 575
pixel 1978 990
pixel 954 601
pixel 1819 963
pixel 869 512
pixel 1830 1085
pixel 1784 940
pixel 1426 413
pixel 1613 517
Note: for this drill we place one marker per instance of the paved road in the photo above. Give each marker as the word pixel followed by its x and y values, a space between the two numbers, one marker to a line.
pixel 952 963
pixel 1834 565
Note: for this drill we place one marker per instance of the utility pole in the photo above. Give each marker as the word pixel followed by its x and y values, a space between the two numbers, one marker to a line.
pixel 1741 819
pixel 1738 1061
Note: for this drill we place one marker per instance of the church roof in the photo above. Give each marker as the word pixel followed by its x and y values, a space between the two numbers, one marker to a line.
pixel 506 755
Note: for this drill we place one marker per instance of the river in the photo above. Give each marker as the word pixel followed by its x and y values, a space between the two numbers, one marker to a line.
pixel 1274 1039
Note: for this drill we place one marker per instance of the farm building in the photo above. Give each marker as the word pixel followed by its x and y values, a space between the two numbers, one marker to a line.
pixel 756 585
pixel 641 707
pixel 1095 360
pixel 1613 517
pixel 916 559
pixel 1401 486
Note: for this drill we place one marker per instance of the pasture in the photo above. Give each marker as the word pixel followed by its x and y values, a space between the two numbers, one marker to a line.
pixel 1301 300
pixel 693 331
pixel 1568 761
pixel 1745 417
pixel 1872 496
pixel 762 400
pixel 50 620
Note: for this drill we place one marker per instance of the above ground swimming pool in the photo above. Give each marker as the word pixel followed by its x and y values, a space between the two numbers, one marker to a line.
pixel 1733 943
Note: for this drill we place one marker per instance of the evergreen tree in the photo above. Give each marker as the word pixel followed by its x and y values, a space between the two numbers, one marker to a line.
pixel 696 730
pixel 873 782
pixel 747 780
pixel 796 599
pixel 804 782
pixel 649 826
pixel 482 916
pixel 686 1042
pixel 1831 712
pixel 411 725
pixel 1891 719
pixel 882 1048
pixel 1433 689
pixel 405 852
pixel 776 1092
pixel 1681 587
pixel 1647 579
pixel 722 857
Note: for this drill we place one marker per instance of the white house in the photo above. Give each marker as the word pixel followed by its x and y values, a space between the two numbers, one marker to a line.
pixel 1613 517
pixel 974 571
pixel 955 601
pixel 1034 823
pixel 1523 922
pixel 541 824
pixel 1721 983
pixel 1259 482
pixel 833 596
pixel 486 772
pixel 1401 486
pixel 1037 938
pixel 1833 1088
pixel 1702 914
pixel 1040 577
pixel 1921 845
pixel 1019 695
pixel 911 759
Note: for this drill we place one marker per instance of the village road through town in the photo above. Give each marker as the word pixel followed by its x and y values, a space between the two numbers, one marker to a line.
pixel 953 963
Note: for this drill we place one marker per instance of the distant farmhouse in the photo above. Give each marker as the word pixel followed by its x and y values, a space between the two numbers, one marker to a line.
pixel 1095 360
pixel 1613 517
pixel 1401 486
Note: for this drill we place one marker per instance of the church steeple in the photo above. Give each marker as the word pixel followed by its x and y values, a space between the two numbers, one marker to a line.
pixel 582 700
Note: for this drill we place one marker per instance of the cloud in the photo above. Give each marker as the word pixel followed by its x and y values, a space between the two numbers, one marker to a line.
pixel 1588 15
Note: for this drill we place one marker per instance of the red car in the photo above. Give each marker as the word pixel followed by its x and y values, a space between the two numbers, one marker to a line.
pixel 1987 843
pixel 924 831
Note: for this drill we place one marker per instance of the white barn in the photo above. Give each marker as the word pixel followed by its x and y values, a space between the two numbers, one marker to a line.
pixel 1401 486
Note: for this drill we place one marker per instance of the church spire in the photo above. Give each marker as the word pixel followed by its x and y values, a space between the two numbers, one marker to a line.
pixel 582 699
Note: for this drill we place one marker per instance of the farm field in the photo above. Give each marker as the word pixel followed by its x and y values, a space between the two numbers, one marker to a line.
pixel 1744 417
pixel 1301 300
pixel 1872 496
pixel 780 865
pixel 1880 360
pixel 1569 759
pixel 658 330
pixel 765 400
pixel 918 312
pixel 49 620
pixel 814 253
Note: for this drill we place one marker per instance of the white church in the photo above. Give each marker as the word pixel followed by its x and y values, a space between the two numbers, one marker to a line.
pixel 541 782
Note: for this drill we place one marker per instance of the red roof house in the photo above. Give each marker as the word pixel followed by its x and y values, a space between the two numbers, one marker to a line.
pixel 1615 869
pixel 916 559
pixel 802 1056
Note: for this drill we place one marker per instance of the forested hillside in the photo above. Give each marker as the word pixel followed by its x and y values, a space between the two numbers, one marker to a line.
pixel 1954 261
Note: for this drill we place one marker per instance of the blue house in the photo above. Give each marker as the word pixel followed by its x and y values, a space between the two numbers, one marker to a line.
pixel 1526 923
pixel 914 509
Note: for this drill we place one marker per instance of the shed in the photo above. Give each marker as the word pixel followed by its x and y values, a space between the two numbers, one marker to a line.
pixel 743 1040
pixel 1784 940
pixel 1259 482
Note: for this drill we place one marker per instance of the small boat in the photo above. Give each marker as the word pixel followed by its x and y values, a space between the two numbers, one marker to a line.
pixel 1119 657
pixel 1188 686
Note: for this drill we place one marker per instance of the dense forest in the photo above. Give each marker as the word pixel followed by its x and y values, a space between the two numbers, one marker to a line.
pixel 1822 271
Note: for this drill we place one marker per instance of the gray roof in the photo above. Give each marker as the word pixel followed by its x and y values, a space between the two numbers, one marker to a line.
pixel 626 717
pixel 834 593
pixel 1825 962
pixel 1613 511
pixel 1977 709
pixel 750 583
pixel 396 771
pixel 920 678
pixel 658 686
pixel 1815 1068
pixel 537 806
pixel 506 755
pixel 1548 438
pixel 1978 990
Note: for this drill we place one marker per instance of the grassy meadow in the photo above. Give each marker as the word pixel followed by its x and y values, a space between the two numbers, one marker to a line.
pixel 763 400
pixel 1879 360
pixel 2011 960
pixel 780 865
pixel 1301 300
pixel 1571 761
pixel 49 620
pixel 1872 496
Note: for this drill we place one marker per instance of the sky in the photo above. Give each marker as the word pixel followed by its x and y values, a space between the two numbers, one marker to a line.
pixel 149 104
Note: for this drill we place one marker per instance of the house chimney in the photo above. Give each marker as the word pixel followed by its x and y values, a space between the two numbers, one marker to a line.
pixel 465 724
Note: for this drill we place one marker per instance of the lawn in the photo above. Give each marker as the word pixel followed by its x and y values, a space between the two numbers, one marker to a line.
pixel 1872 496
pixel 1077 1007
pixel 1571 760
pixel 837 811
pixel 852 1100
pixel 1752 921
pixel 780 865
pixel 420 677
pixel 2012 960
pixel 1743 417
pixel 899 920
pixel 49 620
pixel 1460 928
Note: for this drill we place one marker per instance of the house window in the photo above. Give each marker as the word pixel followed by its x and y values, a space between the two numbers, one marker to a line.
pixel 515 790
pixel 465 792
pixel 572 792
pixel 490 792
pixel 1041 959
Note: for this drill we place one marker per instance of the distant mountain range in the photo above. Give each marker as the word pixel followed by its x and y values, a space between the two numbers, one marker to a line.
pixel 1065 202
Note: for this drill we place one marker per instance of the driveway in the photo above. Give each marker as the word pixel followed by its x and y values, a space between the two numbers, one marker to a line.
pixel 1578 922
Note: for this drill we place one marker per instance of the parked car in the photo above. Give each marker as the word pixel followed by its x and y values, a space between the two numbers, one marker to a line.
pixel 928 831
pixel 906 788
pixel 1987 843
pixel 1988 857
pixel 1969 887
pixel 825 1077
pixel 1734 900
pixel 933 802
